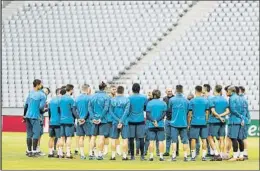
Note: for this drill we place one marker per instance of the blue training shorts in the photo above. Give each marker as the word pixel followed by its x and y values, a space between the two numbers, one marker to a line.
pixel 67 130
pixel 236 131
pixel 217 129
pixel 84 129
pixel 115 132
pixel 156 134
pixel 197 131
pixel 175 132
pixel 100 129
pixel 54 131
pixel 136 131
pixel 33 128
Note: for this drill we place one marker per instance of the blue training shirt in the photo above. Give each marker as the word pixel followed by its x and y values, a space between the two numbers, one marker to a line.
pixel 156 108
pixel 245 112
pixel 54 111
pixel 220 104
pixel 81 104
pixel 236 109
pixel 198 106
pixel 99 106
pixel 119 109
pixel 109 115
pixel 66 106
pixel 36 101
pixel 137 107
pixel 179 106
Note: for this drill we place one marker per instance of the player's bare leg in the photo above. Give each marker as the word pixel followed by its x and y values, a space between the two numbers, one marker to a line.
pixel 161 150
pixel 125 148
pixel 68 147
pixel 60 148
pixel 204 149
pixel 151 150
pixel 193 150
pixel 174 145
pixel 227 148
pixel 51 147
pixel 221 146
pixel 113 149
pixel 101 139
pixel 118 148
pixel 77 145
pixel 245 149
pixel 106 146
pixel 214 148
pixel 91 146
pixel 81 147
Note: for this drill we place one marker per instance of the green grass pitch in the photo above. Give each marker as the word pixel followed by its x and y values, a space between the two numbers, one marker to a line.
pixel 13 157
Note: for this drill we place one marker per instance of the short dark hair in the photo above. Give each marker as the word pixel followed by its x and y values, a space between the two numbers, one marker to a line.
pixel 208 88
pixel 156 94
pixel 179 88
pixel 198 88
pixel 47 88
pixel 63 91
pixel 242 89
pixel 136 88
pixel 218 88
pixel 63 87
pixel 57 91
pixel 69 87
pixel 226 88
pixel 237 89
pixel 36 82
pixel 120 89
pixel 102 85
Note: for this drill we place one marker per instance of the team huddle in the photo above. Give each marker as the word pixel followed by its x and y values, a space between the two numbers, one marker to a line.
pixel 140 120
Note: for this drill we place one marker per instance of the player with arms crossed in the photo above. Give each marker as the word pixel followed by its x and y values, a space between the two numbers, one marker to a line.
pixel 179 106
pixel 98 110
pixel 81 108
pixel 155 113
pixel 197 121
pixel 219 110
pixel 119 109
pixel 35 103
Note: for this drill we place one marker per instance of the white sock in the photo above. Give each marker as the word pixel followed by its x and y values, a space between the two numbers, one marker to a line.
pixel 161 155
pixel 241 154
pixel 100 153
pixel 50 151
pixel 151 155
pixel 68 151
pixel 221 154
pixel 90 152
pixel 235 155
pixel 77 149
pixel 211 151
pixel 34 151
pixel 193 153
pixel 38 149
pixel 95 152
pixel 105 149
pixel 113 154
pixel 245 152
pixel 60 152
pixel 82 151
pixel 124 155
pixel 174 154
pixel 118 150
pixel 185 154
pixel 216 152
pixel 204 152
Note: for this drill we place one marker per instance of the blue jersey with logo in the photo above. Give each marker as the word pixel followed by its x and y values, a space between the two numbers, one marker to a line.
pixel 119 109
pixel 220 104
pixel 157 109
pixel 179 106
pixel 54 111
pixel 109 115
pixel 246 112
pixel 81 104
pixel 99 106
pixel 137 107
pixel 66 106
pixel 36 101
pixel 198 106
pixel 236 109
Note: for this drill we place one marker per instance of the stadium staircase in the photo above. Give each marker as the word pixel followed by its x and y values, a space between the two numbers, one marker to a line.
pixel 195 13
pixel 11 8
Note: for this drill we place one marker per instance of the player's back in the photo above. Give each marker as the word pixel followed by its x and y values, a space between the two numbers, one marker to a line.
pixel 137 106
pixel 120 106
pixel 81 103
pixel 66 105
pixel 179 106
pixel 156 108
pixel 245 111
pixel 199 105
pixel 98 102
pixel 36 101
pixel 54 111
pixel 220 104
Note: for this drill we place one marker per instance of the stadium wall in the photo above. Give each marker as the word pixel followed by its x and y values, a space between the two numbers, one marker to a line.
pixel 12 121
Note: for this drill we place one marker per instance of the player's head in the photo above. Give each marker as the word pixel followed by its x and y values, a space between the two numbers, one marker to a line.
pixel 190 96
pixel 218 90
pixel 242 90
pixel 85 88
pixel 156 94
pixel 226 89
pixel 120 90
pixel 46 90
pixel 237 89
pixel 102 86
pixel 231 90
pixel 113 90
pixel 37 84
pixel 198 90
pixel 206 89
pixel 57 91
pixel 69 88
pixel 169 92
pixel 179 89
pixel 136 88
pixel 150 94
